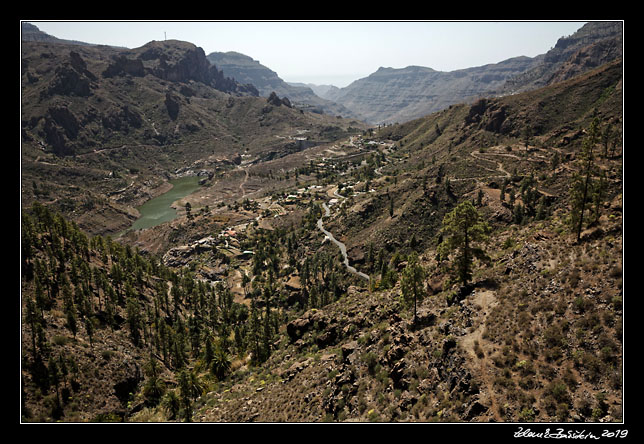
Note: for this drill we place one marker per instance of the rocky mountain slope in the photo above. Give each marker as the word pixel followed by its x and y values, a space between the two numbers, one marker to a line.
pixel 398 95
pixel 104 128
pixel 592 45
pixel 535 336
pixel 245 69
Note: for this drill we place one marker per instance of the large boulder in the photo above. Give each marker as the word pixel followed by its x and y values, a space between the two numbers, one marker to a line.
pixel 297 327
pixel 474 410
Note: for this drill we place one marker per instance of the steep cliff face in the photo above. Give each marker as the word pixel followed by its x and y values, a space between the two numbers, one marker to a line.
pixel 587 58
pixel 592 45
pixel 175 61
pixel 397 95
pixel 246 70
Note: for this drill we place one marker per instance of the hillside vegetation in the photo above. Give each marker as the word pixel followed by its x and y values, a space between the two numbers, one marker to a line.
pixel 486 241
pixel 535 335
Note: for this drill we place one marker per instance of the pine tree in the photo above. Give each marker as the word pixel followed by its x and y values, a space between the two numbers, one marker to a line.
pixel 186 394
pixel 607 136
pixel 154 387
pixel 253 331
pixel 69 307
pixel 89 329
pixel 411 282
pixel 527 136
pixel 208 352
pixel 462 229
pixel 32 318
pixel 268 334
pixel 598 196
pixel 582 181
pixel 41 300
pixel 54 377
pixel 134 319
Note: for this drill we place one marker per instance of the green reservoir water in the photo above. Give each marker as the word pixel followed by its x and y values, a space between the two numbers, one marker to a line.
pixel 158 210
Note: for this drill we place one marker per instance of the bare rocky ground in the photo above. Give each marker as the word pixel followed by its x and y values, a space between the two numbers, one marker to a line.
pixel 492 356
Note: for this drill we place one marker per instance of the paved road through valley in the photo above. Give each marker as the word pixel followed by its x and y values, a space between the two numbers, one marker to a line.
pixel 343 248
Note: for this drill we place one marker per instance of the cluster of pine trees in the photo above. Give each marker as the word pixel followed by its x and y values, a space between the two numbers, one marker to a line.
pixel 95 286
pixel 176 324
pixel 322 277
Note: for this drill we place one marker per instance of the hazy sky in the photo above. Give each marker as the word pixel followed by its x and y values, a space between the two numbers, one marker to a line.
pixel 336 52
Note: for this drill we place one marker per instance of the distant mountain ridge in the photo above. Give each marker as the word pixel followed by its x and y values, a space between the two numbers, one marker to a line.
pixel 31 33
pixel 247 70
pixel 324 91
pixel 399 95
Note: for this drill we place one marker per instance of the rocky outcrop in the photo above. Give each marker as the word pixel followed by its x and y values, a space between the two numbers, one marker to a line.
pixel 298 327
pixel 274 100
pixel 72 78
pixel 174 61
pixel 77 62
pixel 181 256
pixel 227 84
pixel 488 115
pixel 121 119
pixel 55 138
pixel 63 117
pixel 60 128
pixel 122 65
pixel 172 105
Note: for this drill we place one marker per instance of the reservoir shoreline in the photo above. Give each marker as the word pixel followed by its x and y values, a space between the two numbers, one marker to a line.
pixel 159 209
